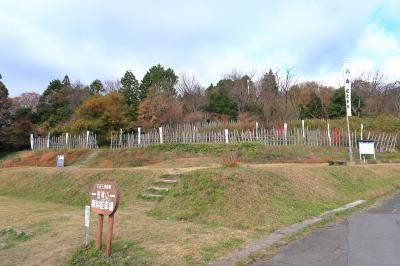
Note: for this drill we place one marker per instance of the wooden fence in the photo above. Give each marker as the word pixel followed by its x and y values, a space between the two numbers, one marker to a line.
pixel 269 137
pixel 65 141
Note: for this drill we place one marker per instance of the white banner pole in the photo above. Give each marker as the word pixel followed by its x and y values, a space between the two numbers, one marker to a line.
pixel 347 90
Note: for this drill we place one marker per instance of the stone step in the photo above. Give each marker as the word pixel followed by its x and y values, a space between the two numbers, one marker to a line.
pixel 168 181
pixel 160 188
pixel 151 195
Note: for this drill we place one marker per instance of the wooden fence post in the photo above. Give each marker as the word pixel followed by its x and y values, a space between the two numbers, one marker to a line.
pixel 161 134
pixel 31 140
pixel 66 140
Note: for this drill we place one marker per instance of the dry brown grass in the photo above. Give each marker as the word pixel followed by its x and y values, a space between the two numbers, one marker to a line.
pixel 58 230
pixel 43 158
pixel 313 159
pixel 106 163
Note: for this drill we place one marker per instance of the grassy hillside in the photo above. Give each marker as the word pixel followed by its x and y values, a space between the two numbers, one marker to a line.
pixel 240 197
pixel 265 199
pixel 70 186
pixel 42 158
pixel 249 152
pixel 207 153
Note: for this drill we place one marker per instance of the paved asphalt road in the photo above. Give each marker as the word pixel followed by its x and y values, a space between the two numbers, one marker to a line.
pixel 363 239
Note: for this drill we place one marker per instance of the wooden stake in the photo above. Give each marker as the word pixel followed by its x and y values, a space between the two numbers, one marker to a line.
pixel 99 231
pixel 109 234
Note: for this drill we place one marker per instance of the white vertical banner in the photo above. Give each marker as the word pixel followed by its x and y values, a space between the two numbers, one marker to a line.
pixel 329 136
pixel 347 87
pixel 48 141
pixel 138 140
pixel 226 136
pixel 161 135
pixel 87 137
pixel 302 129
pixel 66 139
pixel 31 140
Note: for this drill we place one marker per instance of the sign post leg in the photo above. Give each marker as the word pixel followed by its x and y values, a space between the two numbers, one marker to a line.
pixel 109 234
pixel 99 231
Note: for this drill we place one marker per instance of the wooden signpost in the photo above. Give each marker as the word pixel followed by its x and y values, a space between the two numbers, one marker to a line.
pixel 104 200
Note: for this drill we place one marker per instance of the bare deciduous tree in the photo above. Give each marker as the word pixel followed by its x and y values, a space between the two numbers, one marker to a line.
pixel 26 100
pixel 112 85
pixel 285 82
pixel 192 93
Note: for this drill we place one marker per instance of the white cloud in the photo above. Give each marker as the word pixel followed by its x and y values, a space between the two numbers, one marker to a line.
pixel 42 40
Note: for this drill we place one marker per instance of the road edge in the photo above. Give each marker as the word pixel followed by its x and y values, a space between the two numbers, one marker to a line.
pixel 272 239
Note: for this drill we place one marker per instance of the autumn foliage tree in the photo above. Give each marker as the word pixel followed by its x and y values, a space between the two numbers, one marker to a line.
pixel 100 114
pixel 159 109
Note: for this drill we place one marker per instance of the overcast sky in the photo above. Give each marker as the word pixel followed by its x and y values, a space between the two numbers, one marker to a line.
pixel 44 40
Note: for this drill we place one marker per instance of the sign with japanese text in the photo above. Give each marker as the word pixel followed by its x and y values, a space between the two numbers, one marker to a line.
pixel 366 148
pixel 347 87
pixel 104 197
pixel 60 161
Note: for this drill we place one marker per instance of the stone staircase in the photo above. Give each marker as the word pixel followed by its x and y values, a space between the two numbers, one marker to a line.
pixel 160 188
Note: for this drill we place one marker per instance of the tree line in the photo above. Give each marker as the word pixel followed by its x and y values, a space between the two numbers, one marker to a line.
pixel 162 97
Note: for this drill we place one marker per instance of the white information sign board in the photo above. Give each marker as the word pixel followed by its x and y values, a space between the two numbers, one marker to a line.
pixel 60 160
pixel 367 148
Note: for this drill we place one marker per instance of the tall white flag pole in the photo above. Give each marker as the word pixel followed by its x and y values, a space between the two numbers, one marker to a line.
pixel 347 92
